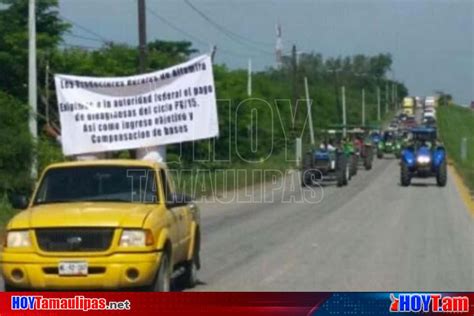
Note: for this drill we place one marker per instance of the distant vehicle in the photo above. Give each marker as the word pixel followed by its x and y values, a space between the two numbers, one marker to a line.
pixel 390 144
pixel 363 147
pixel 429 121
pixel 402 117
pixel 419 102
pixel 431 102
pixel 429 115
pixel 409 122
pixel 408 105
pixel 375 137
pixel 472 105
pixel 423 157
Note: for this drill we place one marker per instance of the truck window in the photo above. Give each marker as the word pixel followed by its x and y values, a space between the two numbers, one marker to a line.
pixel 98 184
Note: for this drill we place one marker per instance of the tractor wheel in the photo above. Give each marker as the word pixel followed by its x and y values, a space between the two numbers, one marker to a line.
pixel 442 175
pixel 405 177
pixel 341 169
pixel 379 154
pixel 353 164
pixel 397 155
pixel 348 173
pixel 368 160
pixel 306 177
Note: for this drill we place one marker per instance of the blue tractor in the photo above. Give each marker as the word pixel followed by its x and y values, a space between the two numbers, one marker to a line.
pixel 423 157
pixel 323 165
pixel 328 162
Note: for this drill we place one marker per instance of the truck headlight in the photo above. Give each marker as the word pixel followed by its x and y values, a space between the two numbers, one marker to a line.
pixel 136 238
pixel 18 239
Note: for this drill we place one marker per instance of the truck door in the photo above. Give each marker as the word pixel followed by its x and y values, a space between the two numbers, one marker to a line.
pixel 178 214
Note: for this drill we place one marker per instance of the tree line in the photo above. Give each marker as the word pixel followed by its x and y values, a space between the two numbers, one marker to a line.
pixel 325 77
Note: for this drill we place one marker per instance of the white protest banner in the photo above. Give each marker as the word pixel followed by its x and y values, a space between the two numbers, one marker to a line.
pixel 173 105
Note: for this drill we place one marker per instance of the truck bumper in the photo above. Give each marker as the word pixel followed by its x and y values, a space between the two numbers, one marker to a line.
pixel 124 270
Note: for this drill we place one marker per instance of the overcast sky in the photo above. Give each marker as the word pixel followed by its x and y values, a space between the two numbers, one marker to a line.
pixel 432 41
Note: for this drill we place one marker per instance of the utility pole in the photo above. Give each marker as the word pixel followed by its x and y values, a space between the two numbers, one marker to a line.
pixel 396 97
pixel 363 107
pixel 310 116
pixel 386 98
pixel 294 84
pixel 393 94
pixel 344 118
pixel 32 90
pixel 249 79
pixel 155 153
pixel 142 35
pixel 213 52
pixel 46 90
pixel 378 103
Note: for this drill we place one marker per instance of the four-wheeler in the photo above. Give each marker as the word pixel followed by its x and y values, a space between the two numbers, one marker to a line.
pixel 102 225
pixel 423 157
pixel 363 147
pixel 390 144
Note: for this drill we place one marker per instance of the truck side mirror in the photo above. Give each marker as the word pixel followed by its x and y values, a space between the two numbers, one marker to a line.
pixel 19 202
pixel 178 199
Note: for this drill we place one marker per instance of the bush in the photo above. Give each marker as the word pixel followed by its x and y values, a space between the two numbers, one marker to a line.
pixel 15 145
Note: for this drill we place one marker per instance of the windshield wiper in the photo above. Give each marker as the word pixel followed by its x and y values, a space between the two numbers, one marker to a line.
pixel 52 202
pixel 107 200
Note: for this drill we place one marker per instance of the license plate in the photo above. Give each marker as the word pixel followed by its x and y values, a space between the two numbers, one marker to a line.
pixel 73 268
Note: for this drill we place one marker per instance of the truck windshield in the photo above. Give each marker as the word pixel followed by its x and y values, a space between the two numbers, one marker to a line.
pixel 98 183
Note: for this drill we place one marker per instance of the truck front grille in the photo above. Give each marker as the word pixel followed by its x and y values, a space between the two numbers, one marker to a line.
pixel 74 239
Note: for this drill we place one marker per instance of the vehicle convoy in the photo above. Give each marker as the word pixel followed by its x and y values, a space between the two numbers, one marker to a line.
pixel 329 162
pixel 423 157
pixel 389 144
pixel 103 224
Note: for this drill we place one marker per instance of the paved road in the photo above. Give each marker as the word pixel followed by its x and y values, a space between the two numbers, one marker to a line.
pixel 372 235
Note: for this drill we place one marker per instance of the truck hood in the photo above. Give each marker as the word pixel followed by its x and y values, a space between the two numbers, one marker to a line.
pixel 84 214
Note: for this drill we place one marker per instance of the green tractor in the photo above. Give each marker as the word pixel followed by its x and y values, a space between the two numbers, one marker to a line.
pixel 390 143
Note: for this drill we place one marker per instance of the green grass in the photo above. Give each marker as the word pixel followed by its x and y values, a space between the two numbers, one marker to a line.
pixel 456 123
pixel 235 175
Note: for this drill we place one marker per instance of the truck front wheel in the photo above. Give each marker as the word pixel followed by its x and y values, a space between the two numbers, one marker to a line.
pixel 192 266
pixel 162 281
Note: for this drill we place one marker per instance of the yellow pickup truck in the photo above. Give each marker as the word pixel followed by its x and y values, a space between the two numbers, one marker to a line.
pixel 104 224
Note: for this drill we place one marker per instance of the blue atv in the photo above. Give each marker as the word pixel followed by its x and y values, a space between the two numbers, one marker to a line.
pixel 423 157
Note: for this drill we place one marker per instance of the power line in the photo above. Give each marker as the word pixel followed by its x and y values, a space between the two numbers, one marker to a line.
pixel 232 35
pixel 85 38
pixel 85 29
pixel 174 27
pixel 193 37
